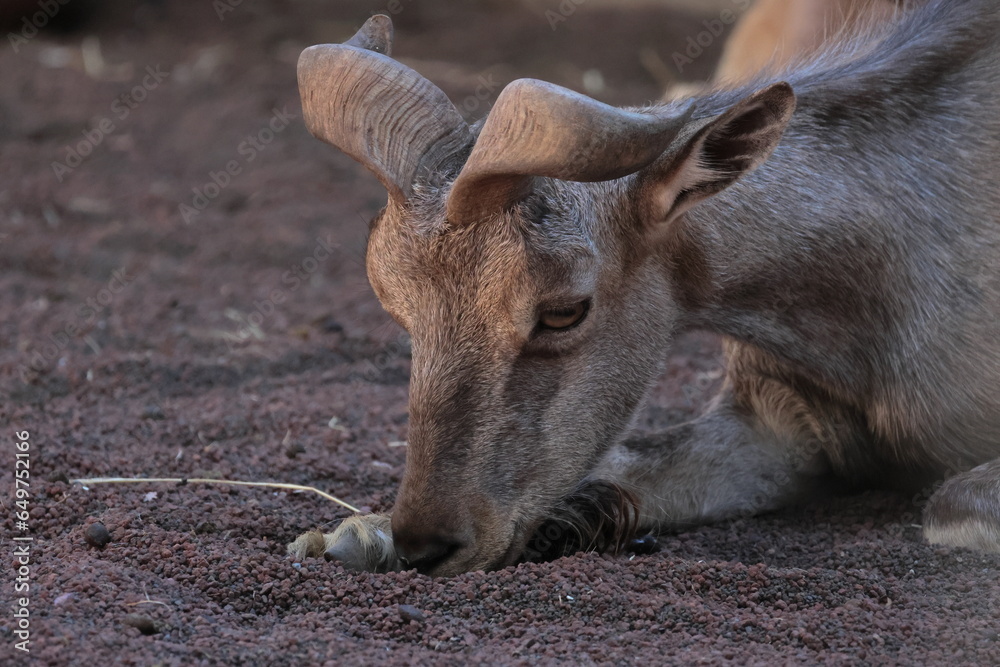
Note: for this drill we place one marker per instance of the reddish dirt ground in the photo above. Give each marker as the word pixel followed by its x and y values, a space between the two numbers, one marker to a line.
pixel 134 342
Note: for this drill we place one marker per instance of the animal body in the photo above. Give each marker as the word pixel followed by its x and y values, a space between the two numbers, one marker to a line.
pixel 773 34
pixel 838 225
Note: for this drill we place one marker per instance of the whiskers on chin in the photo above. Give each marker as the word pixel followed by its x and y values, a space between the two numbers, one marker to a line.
pixel 597 516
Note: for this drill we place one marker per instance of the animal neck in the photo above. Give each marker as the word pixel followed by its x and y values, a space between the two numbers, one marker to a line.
pixel 821 255
pixel 809 257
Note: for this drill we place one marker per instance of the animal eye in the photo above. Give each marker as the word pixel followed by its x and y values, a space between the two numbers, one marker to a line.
pixel 560 319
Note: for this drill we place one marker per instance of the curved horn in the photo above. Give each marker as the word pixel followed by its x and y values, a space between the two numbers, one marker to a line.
pixel 540 129
pixel 375 35
pixel 380 112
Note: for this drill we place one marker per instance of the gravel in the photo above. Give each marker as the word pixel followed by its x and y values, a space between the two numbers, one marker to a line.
pixel 194 369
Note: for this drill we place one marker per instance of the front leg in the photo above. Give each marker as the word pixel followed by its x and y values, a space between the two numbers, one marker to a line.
pixel 740 458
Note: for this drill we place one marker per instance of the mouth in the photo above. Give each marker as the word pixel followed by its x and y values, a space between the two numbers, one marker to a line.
pixel 518 550
pixel 597 516
pixel 514 553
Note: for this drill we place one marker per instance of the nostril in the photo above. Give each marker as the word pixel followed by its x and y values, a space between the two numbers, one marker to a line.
pixel 426 556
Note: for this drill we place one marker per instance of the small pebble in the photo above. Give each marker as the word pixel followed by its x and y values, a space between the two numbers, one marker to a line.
pixel 97 535
pixel 205 527
pixel 329 325
pixel 645 545
pixel 153 411
pixel 408 612
pixel 143 624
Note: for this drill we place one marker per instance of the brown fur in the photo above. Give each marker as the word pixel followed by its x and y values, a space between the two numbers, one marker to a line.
pixel 840 230
pixel 775 33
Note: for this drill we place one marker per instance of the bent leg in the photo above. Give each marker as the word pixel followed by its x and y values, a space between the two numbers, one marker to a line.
pixel 965 511
pixel 736 460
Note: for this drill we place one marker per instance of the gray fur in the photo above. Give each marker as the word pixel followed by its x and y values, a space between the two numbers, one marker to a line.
pixel 855 275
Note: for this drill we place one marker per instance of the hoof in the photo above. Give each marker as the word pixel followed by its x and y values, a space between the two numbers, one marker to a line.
pixel 965 511
pixel 360 543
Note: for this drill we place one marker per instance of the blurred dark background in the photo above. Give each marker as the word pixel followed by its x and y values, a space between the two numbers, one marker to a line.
pixel 118 120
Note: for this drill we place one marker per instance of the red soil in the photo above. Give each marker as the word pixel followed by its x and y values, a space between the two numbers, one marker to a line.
pixel 135 343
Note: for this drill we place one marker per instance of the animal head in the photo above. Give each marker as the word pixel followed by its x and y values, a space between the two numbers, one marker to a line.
pixel 528 256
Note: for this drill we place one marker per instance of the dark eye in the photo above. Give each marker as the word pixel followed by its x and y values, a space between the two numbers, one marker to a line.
pixel 560 319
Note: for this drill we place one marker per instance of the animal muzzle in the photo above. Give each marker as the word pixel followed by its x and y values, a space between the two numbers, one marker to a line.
pixel 450 535
pixel 428 538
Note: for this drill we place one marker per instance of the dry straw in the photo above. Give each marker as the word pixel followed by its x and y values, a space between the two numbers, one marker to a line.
pixel 198 480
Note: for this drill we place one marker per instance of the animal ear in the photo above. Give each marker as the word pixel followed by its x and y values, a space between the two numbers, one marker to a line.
pixel 715 154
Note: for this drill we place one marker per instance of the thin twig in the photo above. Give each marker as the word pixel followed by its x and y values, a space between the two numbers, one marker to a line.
pixel 198 480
